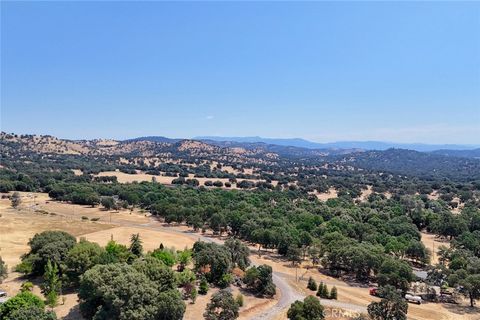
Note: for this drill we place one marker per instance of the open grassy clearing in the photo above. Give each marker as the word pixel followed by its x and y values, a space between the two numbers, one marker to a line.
pixel 139 177
pixel 252 305
pixel 433 243
pixel 18 226
pixel 324 196
pixel 151 238
pixel 366 193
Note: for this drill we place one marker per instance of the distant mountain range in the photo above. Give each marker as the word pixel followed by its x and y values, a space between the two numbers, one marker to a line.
pixel 364 145
pixel 474 153
pixel 160 139
pixel 303 148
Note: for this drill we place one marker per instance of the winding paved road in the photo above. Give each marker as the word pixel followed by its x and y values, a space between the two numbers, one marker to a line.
pixel 288 295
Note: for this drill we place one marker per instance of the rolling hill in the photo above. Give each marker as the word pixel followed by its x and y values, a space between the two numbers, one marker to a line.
pixel 365 145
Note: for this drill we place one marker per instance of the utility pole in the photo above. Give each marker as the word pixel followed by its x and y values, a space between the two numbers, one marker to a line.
pixel 433 250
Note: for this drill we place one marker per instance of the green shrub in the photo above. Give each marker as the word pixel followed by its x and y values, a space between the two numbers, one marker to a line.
pixel 322 291
pixel 165 256
pixel 333 293
pixel 225 281
pixel 26 286
pixel 24 267
pixel 22 300
pixel 184 277
pixel 239 300
pixel 203 287
pixel 312 285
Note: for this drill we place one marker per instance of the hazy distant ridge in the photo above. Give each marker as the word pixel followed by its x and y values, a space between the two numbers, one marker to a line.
pixel 160 139
pixel 474 153
pixel 366 145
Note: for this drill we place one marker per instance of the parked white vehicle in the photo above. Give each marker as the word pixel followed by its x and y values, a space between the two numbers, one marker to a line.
pixel 413 299
pixel 3 296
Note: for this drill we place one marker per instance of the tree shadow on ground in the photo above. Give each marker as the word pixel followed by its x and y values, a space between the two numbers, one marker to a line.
pixel 461 309
pixel 73 314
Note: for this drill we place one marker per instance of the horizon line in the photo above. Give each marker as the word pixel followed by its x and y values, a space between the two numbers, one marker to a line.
pixel 205 137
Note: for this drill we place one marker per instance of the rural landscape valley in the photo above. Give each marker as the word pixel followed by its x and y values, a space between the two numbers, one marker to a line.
pixel 250 160
pixel 352 220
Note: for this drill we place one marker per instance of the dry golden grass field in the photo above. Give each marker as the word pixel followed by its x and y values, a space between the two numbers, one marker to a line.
pixel 330 194
pixel 139 177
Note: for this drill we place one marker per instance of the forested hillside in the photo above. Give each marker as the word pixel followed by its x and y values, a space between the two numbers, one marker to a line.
pixel 414 163
pixel 474 153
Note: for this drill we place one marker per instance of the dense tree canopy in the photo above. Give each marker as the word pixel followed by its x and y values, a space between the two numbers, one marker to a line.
pixel 212 259
pixel 222 306
pixel 259 280
pixel 239 253
pixel 49 245
pixel 308 309
pixel 81 257
pixel 121 291
pixel 24 305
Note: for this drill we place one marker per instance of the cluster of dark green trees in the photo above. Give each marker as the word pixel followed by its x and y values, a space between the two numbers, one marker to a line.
pixel 222 306
pixel 120 282
pixel 25 306
pixel 115 282
pixel 377 239
pixel 308 309
pixel 459 265
pixel 215 262
pixel 370 231
pixel 322 289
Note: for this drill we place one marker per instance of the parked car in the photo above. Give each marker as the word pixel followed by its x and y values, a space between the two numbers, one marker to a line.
pixel 374 292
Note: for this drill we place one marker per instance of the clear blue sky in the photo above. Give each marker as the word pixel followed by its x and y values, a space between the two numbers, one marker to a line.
pixel 405 72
